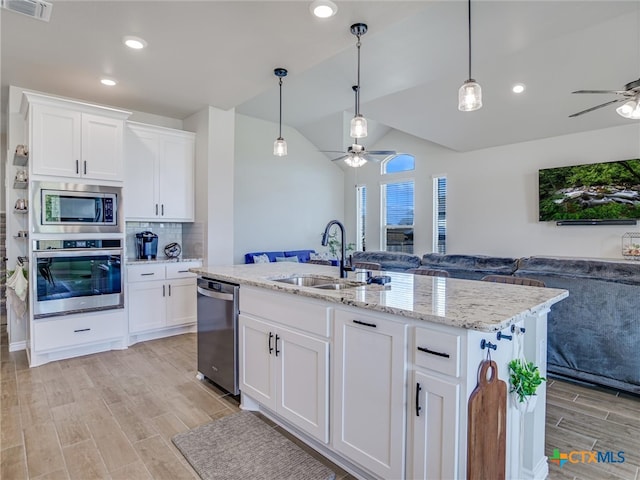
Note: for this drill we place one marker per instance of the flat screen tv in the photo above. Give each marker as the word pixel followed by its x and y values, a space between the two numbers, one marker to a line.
pixel 592 193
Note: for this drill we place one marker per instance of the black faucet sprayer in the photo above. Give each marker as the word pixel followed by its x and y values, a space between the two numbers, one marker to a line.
pixel 325 242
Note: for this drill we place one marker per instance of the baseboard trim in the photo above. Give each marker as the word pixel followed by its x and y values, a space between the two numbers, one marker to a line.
pixel 17 346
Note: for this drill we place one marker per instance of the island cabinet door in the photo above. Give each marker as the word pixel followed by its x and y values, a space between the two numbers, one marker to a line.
pixel 433 416
pixel 303 386
pixel 369 392
pixel 257 369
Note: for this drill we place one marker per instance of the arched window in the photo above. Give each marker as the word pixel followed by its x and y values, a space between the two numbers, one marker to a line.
pixel 397 195
pixel 402 162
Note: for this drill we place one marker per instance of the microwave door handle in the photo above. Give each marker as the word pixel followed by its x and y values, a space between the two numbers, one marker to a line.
pixel 98 214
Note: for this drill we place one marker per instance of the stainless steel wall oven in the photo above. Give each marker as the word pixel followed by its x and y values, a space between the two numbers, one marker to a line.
pixel 71 276
pixel 76 208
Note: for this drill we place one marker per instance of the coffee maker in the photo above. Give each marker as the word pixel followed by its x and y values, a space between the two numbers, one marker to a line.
pixel 146 245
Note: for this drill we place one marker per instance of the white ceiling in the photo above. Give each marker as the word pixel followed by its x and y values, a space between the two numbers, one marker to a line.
pixel 414 58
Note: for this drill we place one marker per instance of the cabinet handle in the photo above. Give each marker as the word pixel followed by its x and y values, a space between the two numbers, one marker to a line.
pixel 418 407
pixel 432 352
pixel 156 208
pixel 169 290
pixel 183 271
pixel 162 209
pixel 77 167
pixel 146 274
pixel 270 347
pixel 277 338
pixel 163 287
pixel 81 330
pixel 85 167
pixel 359 322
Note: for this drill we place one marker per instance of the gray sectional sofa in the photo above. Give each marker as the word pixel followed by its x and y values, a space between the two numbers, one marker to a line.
pixel 593 335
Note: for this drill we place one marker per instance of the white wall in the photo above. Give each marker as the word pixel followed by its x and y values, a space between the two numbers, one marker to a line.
pixel 281 203
pixel 214 181
pixel 492 200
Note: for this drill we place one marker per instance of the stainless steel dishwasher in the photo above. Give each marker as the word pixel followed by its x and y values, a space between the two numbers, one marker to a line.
pixel 218 333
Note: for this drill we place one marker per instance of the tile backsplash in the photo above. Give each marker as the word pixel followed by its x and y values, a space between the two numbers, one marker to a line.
pixel 190 236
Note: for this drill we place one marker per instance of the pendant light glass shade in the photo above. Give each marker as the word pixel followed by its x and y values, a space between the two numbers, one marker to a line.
pixel 630 109
pixel 470 93
pixel 280 145
pixel 355 160
pixel 358 127
pixel 469 96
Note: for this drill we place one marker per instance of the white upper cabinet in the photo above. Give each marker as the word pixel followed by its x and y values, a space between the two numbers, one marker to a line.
pixel 75 140
pixel 159 173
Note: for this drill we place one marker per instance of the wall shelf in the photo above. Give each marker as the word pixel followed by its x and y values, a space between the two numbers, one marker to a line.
pixel 20 185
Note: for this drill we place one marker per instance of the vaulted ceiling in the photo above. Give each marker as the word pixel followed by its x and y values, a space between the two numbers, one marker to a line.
pixel 414 58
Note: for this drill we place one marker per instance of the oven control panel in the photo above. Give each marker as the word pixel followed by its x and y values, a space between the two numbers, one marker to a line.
pixel 69 244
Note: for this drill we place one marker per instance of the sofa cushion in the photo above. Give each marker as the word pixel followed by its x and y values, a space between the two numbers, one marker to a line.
pixel 292 259
pixel 389 261
pixel 248 258
pixel 471 267
pixel 303 255
pixel 608 271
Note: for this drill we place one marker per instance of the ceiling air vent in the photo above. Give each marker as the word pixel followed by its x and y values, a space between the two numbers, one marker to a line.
pixel 34 8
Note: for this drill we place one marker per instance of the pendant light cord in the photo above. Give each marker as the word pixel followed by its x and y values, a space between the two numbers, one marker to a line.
pixel 280 123
pixel 469 4
pixel 358 79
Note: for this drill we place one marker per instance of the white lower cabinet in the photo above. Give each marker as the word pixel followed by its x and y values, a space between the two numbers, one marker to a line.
pixel 287 372
pixel 434 407
pixel 369 392
pixel 161 296
pixel 434 417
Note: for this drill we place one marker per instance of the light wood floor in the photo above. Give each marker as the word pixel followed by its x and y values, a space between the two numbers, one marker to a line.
pixel 112 416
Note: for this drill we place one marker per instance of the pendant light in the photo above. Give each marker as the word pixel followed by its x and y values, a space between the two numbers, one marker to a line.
pixel 470 93
pixel 280 145
pixel 358 122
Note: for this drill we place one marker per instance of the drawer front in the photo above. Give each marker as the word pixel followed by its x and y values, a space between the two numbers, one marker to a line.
pixel 305 315
pixel 144 273
pixel 181 270
pixel 78 330
pixel 437 351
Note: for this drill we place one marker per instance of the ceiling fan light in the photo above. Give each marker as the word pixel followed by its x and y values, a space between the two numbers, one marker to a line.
pixel 358 127
pixel 630 109
pixel 280 147
pixel 469 96
pixel 355 161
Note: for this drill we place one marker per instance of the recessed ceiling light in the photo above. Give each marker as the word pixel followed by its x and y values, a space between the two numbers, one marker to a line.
pixel 135 43
pixel 108 82
pixel 518 88
pixel 323 8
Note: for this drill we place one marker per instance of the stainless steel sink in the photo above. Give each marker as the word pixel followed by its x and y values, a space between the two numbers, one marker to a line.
pixel 340 285
pixel 306 280
pixel 319 281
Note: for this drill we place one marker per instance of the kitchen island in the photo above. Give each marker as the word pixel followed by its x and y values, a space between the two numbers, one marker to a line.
pixel 378 377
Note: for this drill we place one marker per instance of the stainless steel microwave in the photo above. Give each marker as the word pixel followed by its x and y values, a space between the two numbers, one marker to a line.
pixel 77 208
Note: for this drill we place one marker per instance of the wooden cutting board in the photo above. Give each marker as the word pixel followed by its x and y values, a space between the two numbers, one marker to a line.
pixel 487 423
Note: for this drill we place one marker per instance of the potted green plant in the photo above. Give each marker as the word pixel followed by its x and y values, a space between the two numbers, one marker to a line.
pixel 335 246
pixel 524 379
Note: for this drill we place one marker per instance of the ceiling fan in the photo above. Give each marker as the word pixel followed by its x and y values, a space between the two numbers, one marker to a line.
pixel 630 95
pixel 356 155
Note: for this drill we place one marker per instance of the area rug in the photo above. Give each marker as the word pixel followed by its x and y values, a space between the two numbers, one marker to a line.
pixel 243 447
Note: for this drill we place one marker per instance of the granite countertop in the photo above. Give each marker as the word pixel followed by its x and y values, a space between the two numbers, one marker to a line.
pixel 135 261
pixel 477 305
